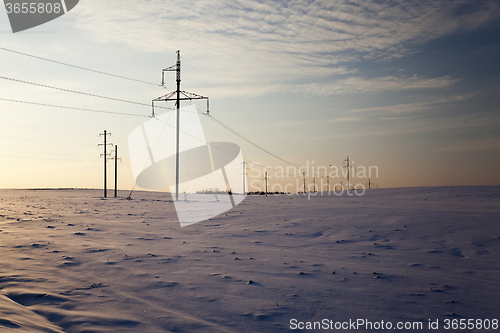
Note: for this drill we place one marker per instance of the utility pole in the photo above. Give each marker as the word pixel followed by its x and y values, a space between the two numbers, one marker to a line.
pixel 314 185
pixel 116 169
pixel 304 176
pixel 177 96
pixel 244 172
pixel 266 183
pixel 347 160
pixel 369 184
pixel 178 103
pixel 328 183
pixel 105 155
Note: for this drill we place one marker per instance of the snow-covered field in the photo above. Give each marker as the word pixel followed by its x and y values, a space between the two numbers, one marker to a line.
pixel 72 261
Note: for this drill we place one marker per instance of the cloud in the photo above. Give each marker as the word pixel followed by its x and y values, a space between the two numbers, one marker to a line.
pixel 247 48
pixel 360 85
pixel 405 108
pixel 288 40
pixel 395 109
pixel 420 125
pixel 489 144
pixel 351 86
pixel 343 120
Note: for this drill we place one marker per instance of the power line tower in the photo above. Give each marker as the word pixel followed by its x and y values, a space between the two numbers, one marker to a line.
pixel 304 177
pixel 266 183
pixel 178 95
pixel 348 169
pixel 105 155
pixel 244 174
pixel 116 168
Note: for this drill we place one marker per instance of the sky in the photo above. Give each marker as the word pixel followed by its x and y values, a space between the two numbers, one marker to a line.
pixel 407 87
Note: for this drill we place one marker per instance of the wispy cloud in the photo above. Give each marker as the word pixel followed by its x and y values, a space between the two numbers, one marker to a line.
pixel 270 42
pixel 478 145
pixel 405 108
pixel 356 85
pixel 343 120
pixel 395 109
pixel 420 126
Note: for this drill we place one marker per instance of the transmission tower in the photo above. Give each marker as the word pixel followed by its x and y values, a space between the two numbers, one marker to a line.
pixel 178 95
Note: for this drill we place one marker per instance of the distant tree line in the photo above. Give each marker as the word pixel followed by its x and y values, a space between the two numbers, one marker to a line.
pixel 213 191
pixel 264 193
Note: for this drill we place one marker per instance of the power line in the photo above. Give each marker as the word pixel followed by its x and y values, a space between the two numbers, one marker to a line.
pixel 120 100
pixel 43 128
pixel 230 100
pixel 251 142
pixel 160 47
pixel 79 92
pixel 137 115
pixel 83 109
pixel 72 108
pixel 42 140
pixel 78 67
pixel 43 151
pixel 253 163
pixel 41 158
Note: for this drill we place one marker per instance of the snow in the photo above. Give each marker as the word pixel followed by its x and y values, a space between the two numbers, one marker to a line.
pixel 73 261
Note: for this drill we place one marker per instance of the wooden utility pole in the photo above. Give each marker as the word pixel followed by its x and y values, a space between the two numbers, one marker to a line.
pixel 304 176
pixel 244 172
pixel 105 155
pixel 116 169
pixel 348 167
pixel 266 184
